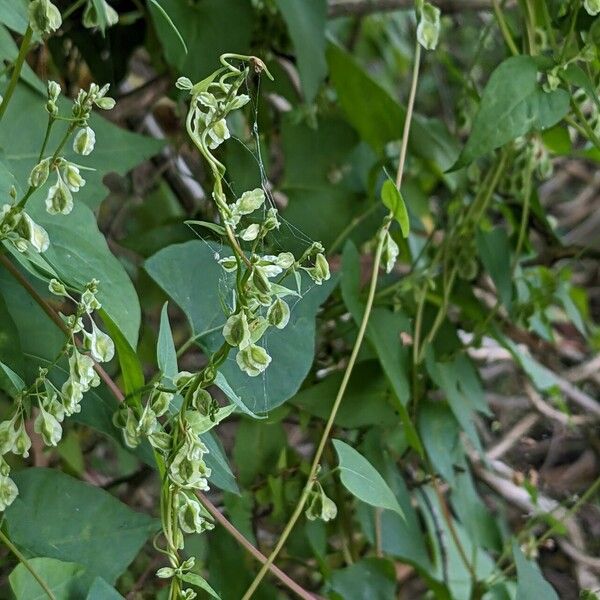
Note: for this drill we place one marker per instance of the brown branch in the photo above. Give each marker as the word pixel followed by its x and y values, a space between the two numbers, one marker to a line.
pixel 361 8
pixel 118 394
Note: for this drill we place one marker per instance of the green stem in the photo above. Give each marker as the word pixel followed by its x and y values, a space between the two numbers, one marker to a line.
pixel 588 132
pixel 4 539
pixel 506 34
pixel 25 43
pixel 355 350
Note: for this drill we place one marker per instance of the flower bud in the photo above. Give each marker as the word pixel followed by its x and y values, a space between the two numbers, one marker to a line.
pixel 228 263
pixel 161 403
pixel 320 506
pixel 390 252
pixel 39 173
pixel 8 492
pixel 202 400
pixel 320 272
pixel 250 233
pixel 100 345
pixel 54 90
pixel 260 281
pixel 250 201
pixel 35 234
pixel 44 17
pixel 72 177
pixel 106 103
pixel 48 427
pixel 92 19
pixel 89 302
pixel 271 221
pixel 8 436
pixel 59 199
pixel 183 83
pixel 84 141
pixel 279 313
pixel 22 442
pixel 165 572
pixel 253 360
pixel 191 517
pixel 428 29
pixel 218 133
pixel 236 331
pixel 592 7
pixel 57 288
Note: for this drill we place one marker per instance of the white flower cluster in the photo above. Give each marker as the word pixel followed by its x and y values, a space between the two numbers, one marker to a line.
pixel 258 302
pixel 18 228
pixel 59 199
pixel 55 404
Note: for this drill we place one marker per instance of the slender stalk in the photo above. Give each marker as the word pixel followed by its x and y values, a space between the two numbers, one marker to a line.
pixel 4 539
pixel 355 350
pixel 506 34
pixel 588 132
pixel 12 84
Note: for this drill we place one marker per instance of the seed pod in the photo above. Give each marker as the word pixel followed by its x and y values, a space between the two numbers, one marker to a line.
pixel 48 427
pixel 250 201
pixel 44 17
pixel 84 141
pixel 428 29
pixel 253 360
pixel 59 199
pixel 279 314
pixel 39 173
pixel 8 492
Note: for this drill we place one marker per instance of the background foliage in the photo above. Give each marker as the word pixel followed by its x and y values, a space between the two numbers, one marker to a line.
pixel 465 461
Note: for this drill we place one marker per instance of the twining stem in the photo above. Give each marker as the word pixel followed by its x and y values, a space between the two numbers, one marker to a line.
pixel 6 541
pixel 12 84
pixel 506 34
pixel 120 397
pixel 355 350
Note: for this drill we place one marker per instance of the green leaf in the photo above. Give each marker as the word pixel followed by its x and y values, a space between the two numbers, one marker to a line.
pixel 62 579
pixel 200 582
pixel 512 104
pixel 494 250
pixel 367 579
pixel 11 355
pixel 166 355
pixel 530 582
pixel 392 198
pixel 211 28
pixel 60 517
pixel 22 131
pixel 10 381
pixel 160 12
pixel 379 119
pixel 131 367
pixel 319 164
pixel 9 50
pixel 177 268
pixel 101 590
pixel 79 252
pixel 267 440
pixel 216 460
pixel 306 23
pixel 13 13
pixel 362 480
pixel 363 405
